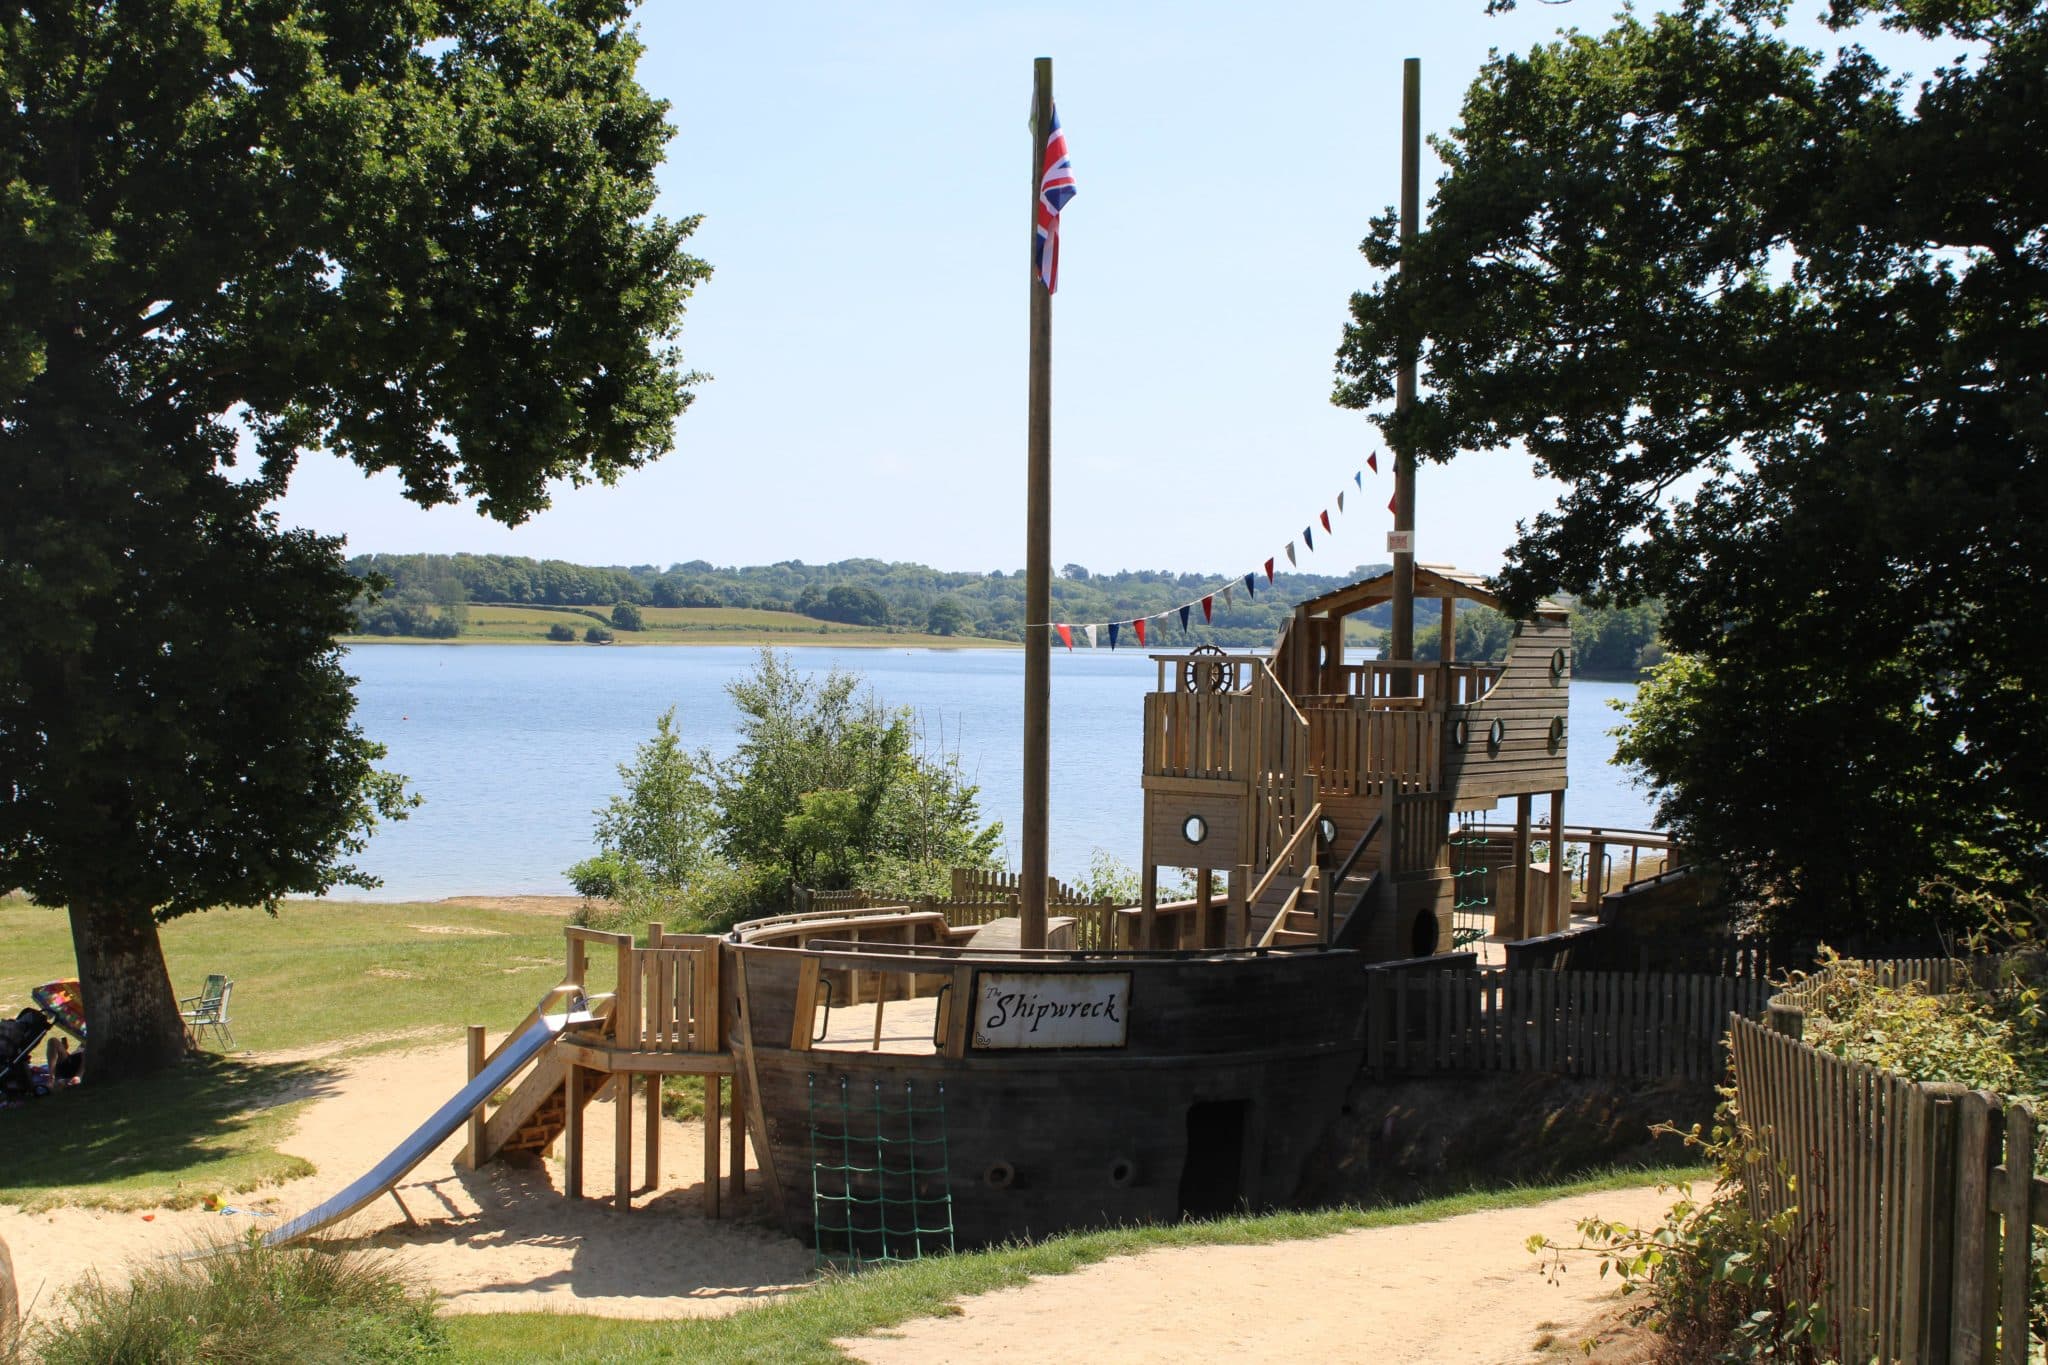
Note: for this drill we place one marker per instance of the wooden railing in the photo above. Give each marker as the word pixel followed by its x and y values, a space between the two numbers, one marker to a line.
pixel 1422 1020
pixel 972 884
pixel 664 997
pixel 1434 685
pixel 1356 749
pixel 1912 1205
pixel 1296 858
pixel 1251 729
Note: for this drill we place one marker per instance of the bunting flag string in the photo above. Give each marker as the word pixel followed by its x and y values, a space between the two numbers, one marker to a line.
pixel 1064 631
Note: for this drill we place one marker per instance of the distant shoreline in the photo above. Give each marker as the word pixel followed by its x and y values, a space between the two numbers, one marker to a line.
pixel 780 642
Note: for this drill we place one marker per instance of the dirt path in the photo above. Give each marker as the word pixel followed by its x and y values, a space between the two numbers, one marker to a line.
pixel 1463 1291
pixel 497 1240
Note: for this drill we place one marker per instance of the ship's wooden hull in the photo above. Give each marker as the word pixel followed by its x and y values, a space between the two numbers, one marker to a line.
pixel 1231 1068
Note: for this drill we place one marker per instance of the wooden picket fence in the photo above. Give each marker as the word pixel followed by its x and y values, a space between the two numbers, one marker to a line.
pixel 1422 1020
pixel 1915 1202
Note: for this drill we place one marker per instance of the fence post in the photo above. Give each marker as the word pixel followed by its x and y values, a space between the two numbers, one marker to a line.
pixel 1789 1020
pixel 1939 1274
pixel 1974 1325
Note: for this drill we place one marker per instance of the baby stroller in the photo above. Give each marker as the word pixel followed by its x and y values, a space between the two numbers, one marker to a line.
pixel 18 1039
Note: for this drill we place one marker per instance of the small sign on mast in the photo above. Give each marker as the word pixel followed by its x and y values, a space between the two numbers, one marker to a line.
pixel 1401 542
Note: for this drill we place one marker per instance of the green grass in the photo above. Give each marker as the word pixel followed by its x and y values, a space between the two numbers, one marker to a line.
pixel 801 1329
pixel 352 976
pixel 247 1306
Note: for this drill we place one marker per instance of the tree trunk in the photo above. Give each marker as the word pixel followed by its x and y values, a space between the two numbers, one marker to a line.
pixel 131 1012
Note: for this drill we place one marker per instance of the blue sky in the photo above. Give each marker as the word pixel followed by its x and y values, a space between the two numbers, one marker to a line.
pixel 864 173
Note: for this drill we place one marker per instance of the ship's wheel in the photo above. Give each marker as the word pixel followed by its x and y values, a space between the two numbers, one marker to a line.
pixel 1205 670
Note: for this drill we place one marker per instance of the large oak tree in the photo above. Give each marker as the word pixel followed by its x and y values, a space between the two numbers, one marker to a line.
pixel 416 234
pixel 1779 321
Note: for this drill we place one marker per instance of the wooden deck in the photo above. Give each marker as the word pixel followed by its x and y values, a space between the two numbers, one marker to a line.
pixel 905 1027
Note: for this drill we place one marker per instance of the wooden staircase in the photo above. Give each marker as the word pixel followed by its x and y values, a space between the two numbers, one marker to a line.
pixel 536 1113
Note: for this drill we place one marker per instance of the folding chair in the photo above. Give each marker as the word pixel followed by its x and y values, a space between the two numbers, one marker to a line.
pixel 209 1010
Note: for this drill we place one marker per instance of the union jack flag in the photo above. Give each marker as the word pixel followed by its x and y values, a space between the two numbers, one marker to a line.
pixel 1055 188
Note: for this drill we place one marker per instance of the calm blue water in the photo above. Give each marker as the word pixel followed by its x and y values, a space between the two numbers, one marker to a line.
pixel 514 746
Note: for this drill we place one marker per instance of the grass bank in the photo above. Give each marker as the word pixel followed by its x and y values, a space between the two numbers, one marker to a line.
pixel 802 1328
pixel 321 979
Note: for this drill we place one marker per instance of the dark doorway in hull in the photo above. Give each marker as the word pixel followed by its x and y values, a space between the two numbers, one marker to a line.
pixel 1212 1178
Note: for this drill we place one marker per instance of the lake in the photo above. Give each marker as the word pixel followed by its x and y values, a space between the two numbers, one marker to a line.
pixel 515 746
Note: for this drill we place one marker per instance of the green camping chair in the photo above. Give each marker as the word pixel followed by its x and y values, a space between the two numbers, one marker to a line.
pixel 209 1010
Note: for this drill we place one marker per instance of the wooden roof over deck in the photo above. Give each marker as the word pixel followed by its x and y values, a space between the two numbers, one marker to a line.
pixel 1431 580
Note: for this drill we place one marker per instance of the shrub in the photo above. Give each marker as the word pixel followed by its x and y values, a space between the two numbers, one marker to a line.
pixel 251 1305
pixel 607 876
pixel 560 631
pixel 626 616
pixel 597 635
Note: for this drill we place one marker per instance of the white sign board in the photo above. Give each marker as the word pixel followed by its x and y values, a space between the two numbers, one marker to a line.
pixel 1401 542
pixel 1051 1009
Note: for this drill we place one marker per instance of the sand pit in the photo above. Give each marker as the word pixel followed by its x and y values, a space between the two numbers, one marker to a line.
pixel 497 1240
pixel 1463 1291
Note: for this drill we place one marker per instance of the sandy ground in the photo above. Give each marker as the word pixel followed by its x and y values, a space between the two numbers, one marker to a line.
pixel 503 1239
pixel 497 1240
pixel 1463 1291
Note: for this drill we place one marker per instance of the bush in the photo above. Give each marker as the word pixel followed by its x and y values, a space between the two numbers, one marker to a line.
pixel 626 616
pixel 562 632
pixel 252 1305
pixel 607 876
pixel 597 635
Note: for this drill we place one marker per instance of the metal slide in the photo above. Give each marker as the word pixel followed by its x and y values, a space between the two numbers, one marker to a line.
pixel 432 1133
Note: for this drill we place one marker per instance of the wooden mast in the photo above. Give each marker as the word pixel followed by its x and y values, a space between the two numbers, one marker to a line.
pixel 1037 549
pixel 1401 642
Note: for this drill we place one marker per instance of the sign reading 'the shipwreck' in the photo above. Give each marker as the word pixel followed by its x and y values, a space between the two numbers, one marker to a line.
pixel 1050 1009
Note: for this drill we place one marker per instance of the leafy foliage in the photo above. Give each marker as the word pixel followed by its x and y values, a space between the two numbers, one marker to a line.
pixel 1775 323
pixel 827 788
pixel 418 237
pixel 1713 1281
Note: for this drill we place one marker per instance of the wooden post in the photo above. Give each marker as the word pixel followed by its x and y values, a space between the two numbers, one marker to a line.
pixel 1938 1275
pixel 622 1141
pixel 572 1132
pixel 1204 896
pixel 1037 548
pixel 1521 902
pixel 1401 640
pixel 738 1129
pixel 711 1105
pixel 1559 915
pixel 472 1155
pixel 1973 1325
pixel 1148 905
pixel 1239 913
pixel 652 1155
pixel 1596 874
pixel 1447 637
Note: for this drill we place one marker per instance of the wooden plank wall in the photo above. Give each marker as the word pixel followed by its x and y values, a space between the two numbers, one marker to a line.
pixel 1524 700
pixel 1356 748
pixel 1913 1205
pixel 1646 1025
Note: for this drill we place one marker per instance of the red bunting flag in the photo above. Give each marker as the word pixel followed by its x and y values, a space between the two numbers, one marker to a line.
pixel 1269 571
pixel 1206 601
pixel 1066 637
pixel 1325 514
pixel 1390 504
pixel 1139 626
pixel 1372 462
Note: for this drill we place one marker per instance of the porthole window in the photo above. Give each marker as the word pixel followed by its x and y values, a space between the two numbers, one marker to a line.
pixel 1495 733
pixel 1122 1172
pixel 1557 662
pixel 1328 829
pixel 1322 656
pixel 1458 735
pixel 1194 829
pixel 1556 733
